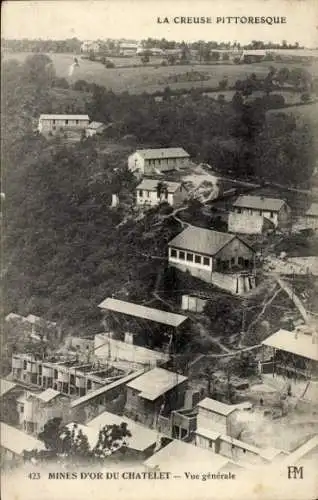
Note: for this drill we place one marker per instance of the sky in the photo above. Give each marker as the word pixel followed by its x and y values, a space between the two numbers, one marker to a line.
pixel 137 19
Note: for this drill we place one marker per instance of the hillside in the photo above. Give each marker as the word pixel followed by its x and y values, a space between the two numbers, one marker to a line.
pixel 64 248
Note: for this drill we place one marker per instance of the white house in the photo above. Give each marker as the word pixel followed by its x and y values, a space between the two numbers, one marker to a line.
pixel 53 122
pixel 152 192
pixel 95 128
pixel 214 257
pixel 150 161
pixel 90 46
pixel 274 209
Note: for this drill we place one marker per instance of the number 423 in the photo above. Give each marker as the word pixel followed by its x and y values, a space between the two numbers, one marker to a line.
pixel 34 475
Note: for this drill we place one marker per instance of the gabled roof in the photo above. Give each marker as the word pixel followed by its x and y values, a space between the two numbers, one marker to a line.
pixel 156 382
pixel 6 386
pixel 16 441
pixel 152 185
pixel 141 437
pixel 201 240
pixel 63 117
pixel 138 311
pixel 259 203
pixel 313 210
pixel 180 456
pixel 293 342
pixel 216 406
pixel 151 154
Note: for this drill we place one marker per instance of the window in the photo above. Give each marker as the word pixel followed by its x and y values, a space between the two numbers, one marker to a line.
pixel 141 193
pixel 24 365
pixel 40 369
pixel 233 260
pixel 173 252
pixel 89 384
pixel 240 261
pixel 197 259
pixel 260 212
pixel 76 121
pixel 55 373
pixel 206 261
pixel 66 122
pixel 22 409
pixel 271 215
pixel 147 194
pixel 239 211
pixel 181 255
pixel 53 122
pixel 190 257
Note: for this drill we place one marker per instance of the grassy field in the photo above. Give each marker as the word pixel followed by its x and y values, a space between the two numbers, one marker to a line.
pixel 148 78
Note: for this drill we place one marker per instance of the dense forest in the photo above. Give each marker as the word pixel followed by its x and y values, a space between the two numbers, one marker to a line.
pixel 65 249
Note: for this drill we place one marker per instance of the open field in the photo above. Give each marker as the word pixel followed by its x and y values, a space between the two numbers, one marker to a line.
pixel 149 78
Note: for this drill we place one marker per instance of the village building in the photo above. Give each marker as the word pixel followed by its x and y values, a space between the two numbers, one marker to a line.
pixel 214 418
pixel 110 397
pixel 141 326
pixel 142 441
pixel 128 48
pixel 273 209
pixel 95 128
pixel 90 46
pixel 151 192
pixel 253 56
pixel 214 257
pixel 35 409
pixel 125 354
pixel 13 444
pixel 311 216
pixel 55 123
pixel 157 161
pixel 294 354
pixel 180 457
pixel 9 393
pixel 245 223
pixel 68 375
pixel 157 391
pixel 218 429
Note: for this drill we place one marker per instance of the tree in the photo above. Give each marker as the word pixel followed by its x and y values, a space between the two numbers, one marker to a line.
pixel 223 84
pixel 145 59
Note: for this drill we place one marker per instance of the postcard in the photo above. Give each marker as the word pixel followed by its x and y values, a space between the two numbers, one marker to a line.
pixel 159 221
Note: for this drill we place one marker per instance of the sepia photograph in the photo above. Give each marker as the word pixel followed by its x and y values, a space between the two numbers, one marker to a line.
pixel 159 250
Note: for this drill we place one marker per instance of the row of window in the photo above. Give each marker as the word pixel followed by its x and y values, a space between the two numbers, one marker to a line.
pixel 190 257
pixel 251 212
pixel 157 161
pixel 66 122
pixel 147 194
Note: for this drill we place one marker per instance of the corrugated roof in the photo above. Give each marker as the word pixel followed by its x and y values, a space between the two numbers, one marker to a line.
pixel 141 437
pixel 6 386
pixel 152 185
pixel 131 309
pixel 101 390
pixel 259 203
pixel 151 154
pixel 180 456
pixel 63 117
pixel 295 343
pixel 16 441
pixel 201 240
pixel 156 382
pixel 313 210
pixel 48 395
pixel 216 406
